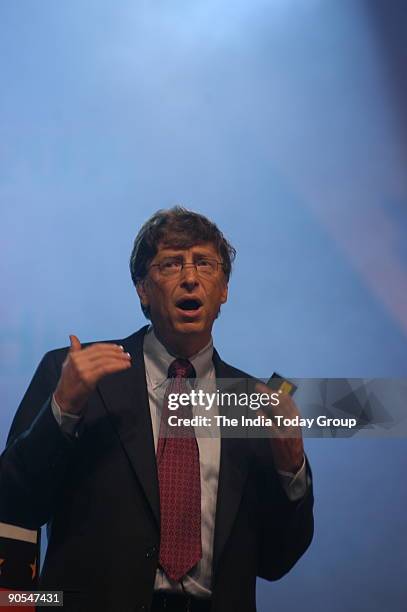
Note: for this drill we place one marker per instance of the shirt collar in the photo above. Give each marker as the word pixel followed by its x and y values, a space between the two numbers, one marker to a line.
pixel 158 359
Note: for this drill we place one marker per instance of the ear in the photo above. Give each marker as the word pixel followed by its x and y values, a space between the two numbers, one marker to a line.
pixel 142 293
pixel 224 294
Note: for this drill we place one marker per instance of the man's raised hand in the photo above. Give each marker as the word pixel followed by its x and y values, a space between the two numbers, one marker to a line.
pixel 82 370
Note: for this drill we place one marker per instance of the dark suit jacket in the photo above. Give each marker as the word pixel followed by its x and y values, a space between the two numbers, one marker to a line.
pixel 99 495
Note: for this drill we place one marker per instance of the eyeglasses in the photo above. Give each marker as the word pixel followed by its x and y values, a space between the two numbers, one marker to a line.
pixel 173 267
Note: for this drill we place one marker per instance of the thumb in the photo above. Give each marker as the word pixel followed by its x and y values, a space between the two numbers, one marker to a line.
pixel 75 344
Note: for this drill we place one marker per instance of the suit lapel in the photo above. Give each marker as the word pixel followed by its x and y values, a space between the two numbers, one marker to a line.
pixel 233 468
pixel 126 400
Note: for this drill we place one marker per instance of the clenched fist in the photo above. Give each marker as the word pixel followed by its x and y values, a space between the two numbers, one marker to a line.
pixel 82 370
pixel 286 442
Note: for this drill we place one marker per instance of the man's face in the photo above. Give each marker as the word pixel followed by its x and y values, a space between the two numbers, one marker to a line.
pixel 186 302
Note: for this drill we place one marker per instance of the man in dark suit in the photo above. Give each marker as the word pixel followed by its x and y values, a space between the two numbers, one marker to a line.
pixel 137 518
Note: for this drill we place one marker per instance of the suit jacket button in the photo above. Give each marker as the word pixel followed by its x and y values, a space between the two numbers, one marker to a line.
pixel 151 552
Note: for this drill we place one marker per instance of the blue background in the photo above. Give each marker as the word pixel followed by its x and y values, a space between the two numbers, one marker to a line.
pixel 282 120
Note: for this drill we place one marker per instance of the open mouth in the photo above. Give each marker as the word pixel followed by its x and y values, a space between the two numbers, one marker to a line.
pixel 189 304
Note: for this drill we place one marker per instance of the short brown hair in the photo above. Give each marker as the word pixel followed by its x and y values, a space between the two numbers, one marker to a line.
pixel 179 228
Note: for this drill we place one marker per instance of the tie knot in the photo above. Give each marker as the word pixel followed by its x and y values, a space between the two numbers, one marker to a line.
pixel 181 368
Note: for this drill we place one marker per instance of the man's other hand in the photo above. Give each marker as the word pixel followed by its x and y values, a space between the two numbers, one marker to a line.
pixel 286 440
pixel 82 370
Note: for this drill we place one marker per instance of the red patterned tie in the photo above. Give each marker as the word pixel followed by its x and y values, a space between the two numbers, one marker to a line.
pixel 180 483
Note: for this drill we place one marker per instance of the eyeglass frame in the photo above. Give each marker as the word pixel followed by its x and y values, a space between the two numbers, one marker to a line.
pixel 183 264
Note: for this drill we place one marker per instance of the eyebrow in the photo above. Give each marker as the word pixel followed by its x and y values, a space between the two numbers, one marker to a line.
pixel 181 254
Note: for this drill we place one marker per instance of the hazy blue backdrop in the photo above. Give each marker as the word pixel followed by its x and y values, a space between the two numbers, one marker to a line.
pixel 282 120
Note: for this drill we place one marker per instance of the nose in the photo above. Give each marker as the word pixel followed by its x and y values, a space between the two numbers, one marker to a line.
pixel 189 276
